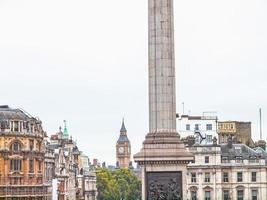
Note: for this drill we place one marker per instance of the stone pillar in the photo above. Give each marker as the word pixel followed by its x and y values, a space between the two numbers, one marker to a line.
pixel 162 106
pixel 163 157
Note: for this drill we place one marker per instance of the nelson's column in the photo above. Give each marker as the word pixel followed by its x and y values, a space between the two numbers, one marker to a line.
pixel 163 157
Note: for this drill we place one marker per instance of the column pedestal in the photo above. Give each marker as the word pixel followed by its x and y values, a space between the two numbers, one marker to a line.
pixel 163 160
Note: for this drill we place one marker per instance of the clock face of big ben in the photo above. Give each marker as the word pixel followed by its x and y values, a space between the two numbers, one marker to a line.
pixel 121 149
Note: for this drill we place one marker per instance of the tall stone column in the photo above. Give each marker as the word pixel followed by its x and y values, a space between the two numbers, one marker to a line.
pixel 163 157
pixel 162 106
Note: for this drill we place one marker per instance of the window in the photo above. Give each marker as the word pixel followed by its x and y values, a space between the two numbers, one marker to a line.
pixel 15 165
pixel 197 127
pixel 193 195
pixel 207 178
pixel 209 127
pixel 31 144
pixel 254 195
pixel 15 146
pixel 16 126
pixel 39 166
pixel 193 177
pixel 240 195
pixel 254 176
pixel 39 146
pixel 239 176
pixel 187 127
pixel 225 177
pixel 207 159
pixel 209 138
pixel 207 195
pixel 226 195
pixel 31 166
pixel 2 125
pixel 225 160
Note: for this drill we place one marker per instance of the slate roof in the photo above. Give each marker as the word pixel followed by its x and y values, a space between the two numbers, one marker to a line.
pixel 240 150
pixel 75 151
pixel 7 113
pixel 123 138
pixel 123 129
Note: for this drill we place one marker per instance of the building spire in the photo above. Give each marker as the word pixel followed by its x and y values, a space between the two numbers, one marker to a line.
pixel 65 133
pixel 123 129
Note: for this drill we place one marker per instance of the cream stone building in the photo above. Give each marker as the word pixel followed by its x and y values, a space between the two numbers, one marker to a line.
pixel 227 172
pixel 75 180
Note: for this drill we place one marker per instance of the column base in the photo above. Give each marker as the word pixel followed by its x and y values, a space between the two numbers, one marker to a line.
pixel 163 160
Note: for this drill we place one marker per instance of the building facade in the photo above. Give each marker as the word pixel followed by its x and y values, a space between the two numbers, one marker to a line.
pixel 205 126
pixel 75 179
pixel 227 172
pixel 123 149
pixel 22 156
pixel 239 131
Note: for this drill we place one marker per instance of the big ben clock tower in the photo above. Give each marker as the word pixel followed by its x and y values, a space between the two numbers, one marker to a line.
pixel 123 148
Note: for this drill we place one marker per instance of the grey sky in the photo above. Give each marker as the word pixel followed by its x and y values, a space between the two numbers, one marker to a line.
pixel 86 62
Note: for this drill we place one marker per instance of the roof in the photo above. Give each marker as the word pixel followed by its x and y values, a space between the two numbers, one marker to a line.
pixel 7 113
pixel 123 129
pixel 123 138
pixel 203 117
pixel 75 151
pixel 238 150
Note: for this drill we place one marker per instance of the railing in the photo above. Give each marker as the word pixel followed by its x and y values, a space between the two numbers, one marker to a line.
pixel 25 191
pixel 21 181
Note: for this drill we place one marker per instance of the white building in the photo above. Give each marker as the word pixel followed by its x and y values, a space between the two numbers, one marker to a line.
pixel 206 125
pixel 227 172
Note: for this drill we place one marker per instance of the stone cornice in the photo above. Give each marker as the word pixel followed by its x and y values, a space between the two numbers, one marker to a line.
pixel 163 162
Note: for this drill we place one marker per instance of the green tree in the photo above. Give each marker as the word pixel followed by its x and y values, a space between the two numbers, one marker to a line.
pixel 120 184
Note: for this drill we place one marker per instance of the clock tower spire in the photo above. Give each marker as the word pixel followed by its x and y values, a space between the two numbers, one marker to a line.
pixel 123 148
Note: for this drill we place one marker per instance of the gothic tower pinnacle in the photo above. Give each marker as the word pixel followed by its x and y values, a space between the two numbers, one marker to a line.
pixel 123 148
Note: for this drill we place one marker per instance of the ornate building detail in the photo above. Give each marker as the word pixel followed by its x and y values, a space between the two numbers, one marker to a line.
pixel 75 179
pixel 164 185
pixel 227 171
pixel 22 156
pixel 123 148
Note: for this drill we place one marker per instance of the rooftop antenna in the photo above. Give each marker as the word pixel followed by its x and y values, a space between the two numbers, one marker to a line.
pixel 183 107
pixel 260 125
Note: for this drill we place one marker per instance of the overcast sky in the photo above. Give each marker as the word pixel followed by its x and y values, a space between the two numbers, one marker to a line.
pixel 85 61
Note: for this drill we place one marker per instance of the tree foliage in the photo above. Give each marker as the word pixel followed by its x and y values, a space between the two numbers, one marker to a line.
pixel 120 184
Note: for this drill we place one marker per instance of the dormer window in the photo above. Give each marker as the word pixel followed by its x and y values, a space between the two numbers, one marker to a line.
pixel 16 126
pixel 239 159
pixel 253 159
pixel 225 159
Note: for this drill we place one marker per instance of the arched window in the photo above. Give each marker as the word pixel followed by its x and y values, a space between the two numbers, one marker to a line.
pixel 15 146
